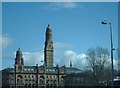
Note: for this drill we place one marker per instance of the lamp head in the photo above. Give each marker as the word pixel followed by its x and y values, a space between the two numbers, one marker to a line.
pixel 104 21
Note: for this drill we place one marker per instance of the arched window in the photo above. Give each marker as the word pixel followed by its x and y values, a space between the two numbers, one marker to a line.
pixel 26 80
pixel 41 81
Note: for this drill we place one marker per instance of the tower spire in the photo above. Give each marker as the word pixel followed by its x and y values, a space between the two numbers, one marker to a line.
pixel 48 50
pixel 70 64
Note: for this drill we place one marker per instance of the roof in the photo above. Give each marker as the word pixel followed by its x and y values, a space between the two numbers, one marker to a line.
pixel 9 69
pixel 72 69
pixel 50 69
pixel 29 67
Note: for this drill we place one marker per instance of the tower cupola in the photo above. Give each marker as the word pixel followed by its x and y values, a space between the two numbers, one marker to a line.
pixel 19 58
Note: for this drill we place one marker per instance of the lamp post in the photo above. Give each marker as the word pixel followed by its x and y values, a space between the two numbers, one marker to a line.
pixel 57 76
pixel 45 73
pixel 36 75
pixel 15 76
pixel 112 68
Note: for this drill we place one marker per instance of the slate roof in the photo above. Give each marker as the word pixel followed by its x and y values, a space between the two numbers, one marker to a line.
pixel 52 69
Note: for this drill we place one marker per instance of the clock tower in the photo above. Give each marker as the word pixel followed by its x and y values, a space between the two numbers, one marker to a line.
pixel 48 49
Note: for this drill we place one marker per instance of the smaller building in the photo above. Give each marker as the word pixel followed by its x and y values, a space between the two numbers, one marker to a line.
pixel 77 80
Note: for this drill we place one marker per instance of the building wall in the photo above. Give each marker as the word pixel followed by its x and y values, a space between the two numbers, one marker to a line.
pixel 29 78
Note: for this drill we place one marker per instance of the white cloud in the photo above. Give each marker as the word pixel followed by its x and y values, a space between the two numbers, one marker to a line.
pixel 62 5
pixel 62 45
pixel 33 58
pixel 115 63
pixel 67 5
pixel 5 41
pixel 78 60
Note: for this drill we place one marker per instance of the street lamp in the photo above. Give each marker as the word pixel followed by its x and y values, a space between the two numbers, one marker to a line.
pixel 45 73
pixel 112 69
pixel 15 76
pixel 57 76
pixel 36 75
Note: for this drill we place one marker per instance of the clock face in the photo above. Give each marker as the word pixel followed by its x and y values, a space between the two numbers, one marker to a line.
pixel 20 68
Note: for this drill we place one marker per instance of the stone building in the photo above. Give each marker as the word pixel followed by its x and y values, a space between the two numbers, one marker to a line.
pixel 37 76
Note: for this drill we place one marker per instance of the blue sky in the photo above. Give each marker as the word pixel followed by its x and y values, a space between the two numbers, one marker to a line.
pixel 60 0
pixel 76 28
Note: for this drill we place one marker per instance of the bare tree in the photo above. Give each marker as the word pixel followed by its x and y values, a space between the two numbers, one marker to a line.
pixel 98 59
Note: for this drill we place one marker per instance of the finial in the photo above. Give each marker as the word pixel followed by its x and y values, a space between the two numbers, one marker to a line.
pixel 70 64
pixel 19 51
pixel 48 25
pixel 18 48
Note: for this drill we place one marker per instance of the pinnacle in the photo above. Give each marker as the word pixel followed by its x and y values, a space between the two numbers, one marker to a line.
pixel 48 25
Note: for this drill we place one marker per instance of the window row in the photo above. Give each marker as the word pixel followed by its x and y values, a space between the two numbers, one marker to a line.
pixel 40 76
